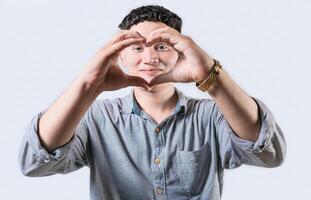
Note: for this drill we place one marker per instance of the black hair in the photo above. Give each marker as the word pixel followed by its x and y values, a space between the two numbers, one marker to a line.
pixel 153 13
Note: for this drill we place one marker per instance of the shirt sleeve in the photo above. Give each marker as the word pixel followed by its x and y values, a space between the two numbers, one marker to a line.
pixel 35 160
pixel 268 151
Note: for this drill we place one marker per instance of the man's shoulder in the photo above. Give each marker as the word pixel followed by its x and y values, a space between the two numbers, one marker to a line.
pixel 197 102
pixel 113 103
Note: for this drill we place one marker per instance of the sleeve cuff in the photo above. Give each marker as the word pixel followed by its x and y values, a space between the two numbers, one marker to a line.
pixel 40 152
pixel 265 135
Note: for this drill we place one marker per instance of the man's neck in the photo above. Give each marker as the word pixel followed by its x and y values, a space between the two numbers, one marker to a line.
pixel 161 99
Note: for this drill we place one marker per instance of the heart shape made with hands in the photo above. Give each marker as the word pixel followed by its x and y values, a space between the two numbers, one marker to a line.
pixel 193 64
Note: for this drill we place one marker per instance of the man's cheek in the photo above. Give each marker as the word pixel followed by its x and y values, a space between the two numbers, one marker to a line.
pixel 169 60
pixel 169 66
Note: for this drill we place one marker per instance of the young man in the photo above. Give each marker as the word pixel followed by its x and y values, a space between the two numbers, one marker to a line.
pixel 154 143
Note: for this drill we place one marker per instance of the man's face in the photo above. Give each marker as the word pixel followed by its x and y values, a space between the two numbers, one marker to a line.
pixel 152 60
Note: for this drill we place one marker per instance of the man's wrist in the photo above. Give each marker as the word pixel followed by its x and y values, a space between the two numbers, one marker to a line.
pixel 209 65
pixel 206 83
pixel 86 88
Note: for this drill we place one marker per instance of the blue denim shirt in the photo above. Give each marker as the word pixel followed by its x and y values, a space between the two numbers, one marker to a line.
pixel 132 157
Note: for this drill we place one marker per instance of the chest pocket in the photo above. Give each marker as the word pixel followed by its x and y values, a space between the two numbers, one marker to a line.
pixel 193 168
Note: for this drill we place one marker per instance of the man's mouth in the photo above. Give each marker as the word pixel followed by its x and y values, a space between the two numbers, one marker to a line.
pixel 150 71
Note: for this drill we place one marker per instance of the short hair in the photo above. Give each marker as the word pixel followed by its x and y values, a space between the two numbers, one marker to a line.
pixel 153 13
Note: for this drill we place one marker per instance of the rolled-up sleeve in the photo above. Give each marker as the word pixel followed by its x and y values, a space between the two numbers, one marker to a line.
pixel 35 160
pixel 268 151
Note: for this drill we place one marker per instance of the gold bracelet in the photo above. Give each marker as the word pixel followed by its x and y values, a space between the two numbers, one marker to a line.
pixel 206 83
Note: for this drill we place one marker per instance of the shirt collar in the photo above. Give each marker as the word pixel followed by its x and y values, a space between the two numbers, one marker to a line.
pixel 130 105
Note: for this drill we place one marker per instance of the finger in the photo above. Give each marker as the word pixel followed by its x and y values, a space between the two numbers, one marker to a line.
pixel 137 81
pixel 119 46
pixel 164 36
pixel 124 34
pixel 162 78
pixel 161 30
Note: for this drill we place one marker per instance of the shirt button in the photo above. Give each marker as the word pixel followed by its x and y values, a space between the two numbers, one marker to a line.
pixel 159 191
pixel 157 161
pixel 157 130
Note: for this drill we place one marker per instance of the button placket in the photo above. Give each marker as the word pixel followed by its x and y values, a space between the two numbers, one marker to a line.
pixel 159 184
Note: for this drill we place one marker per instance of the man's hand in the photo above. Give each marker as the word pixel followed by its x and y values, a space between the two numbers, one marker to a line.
pixel 102 73
pixel 193 65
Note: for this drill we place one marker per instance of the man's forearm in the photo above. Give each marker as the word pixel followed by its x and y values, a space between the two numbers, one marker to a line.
pixel 58 123
pixel 239 109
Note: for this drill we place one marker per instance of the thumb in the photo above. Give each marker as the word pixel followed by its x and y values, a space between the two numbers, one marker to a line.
pixel 137 81
pixel 162 78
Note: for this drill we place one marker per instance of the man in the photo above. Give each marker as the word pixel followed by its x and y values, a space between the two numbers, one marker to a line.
pixel 154 143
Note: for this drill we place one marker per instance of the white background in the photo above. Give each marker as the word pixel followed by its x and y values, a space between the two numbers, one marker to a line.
pixel 264 45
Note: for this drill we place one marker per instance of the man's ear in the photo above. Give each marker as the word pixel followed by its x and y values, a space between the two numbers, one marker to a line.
pixel 122 61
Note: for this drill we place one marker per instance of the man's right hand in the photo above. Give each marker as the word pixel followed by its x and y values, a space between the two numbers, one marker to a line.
pixel 102 73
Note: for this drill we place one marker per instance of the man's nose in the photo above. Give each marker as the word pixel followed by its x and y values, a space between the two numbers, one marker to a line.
pixel 150 57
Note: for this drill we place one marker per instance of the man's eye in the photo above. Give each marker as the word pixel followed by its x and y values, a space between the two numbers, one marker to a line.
pixel 137 49
pixel 161 47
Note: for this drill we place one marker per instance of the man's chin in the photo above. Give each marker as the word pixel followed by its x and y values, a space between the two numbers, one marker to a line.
pixel 148 79
pixel 150 89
